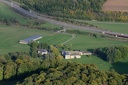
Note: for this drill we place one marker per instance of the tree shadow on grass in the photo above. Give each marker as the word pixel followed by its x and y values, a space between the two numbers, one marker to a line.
pixel 120 67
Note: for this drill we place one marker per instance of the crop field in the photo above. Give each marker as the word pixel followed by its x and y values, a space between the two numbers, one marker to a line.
pixel 111 26
pixel 7 12
pixel 116 5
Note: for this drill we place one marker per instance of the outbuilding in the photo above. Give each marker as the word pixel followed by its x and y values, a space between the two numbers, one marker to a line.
pixel 42 52
pixel 30 39
pixel 74 54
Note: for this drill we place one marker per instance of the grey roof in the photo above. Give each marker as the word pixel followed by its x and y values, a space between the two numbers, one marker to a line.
pixel 66 53
pixel 31 38
pixel 42 50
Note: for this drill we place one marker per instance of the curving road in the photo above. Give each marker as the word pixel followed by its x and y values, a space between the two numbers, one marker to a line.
pixel 72 26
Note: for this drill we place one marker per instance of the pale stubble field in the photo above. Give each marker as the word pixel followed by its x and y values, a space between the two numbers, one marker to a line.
pixel 116 5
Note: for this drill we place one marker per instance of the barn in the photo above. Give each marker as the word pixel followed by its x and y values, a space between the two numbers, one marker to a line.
pixel 30 39
pixel 74 54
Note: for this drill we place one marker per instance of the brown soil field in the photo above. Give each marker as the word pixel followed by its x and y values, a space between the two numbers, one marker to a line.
pixel 116 5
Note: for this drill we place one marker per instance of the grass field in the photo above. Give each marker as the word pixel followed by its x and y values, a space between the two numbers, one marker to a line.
pixel 102 65
pixel 9 37
pixel 111 26
pixel 7 12
pixel 84 42
pixel 119 67
pixel 56 39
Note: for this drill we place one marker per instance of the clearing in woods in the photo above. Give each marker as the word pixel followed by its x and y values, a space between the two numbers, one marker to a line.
pixel 116 5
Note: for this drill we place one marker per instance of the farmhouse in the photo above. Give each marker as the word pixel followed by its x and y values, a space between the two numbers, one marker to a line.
pixel 30 39
pixel 74 54
pixel 42 52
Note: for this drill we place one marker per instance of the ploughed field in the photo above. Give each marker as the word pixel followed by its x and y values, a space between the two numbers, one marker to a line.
pixel 116 5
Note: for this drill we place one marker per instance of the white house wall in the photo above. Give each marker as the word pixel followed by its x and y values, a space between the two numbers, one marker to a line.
pixel 67 57
pixel 78 56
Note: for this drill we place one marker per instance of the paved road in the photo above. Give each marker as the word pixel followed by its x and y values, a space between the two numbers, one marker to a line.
pixel 71 26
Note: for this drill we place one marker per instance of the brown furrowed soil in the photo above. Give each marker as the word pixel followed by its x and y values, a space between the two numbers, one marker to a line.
pixel 116 5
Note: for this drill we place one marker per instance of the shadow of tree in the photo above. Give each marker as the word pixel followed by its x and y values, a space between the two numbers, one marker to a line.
pixel 120 67
pixel 8 82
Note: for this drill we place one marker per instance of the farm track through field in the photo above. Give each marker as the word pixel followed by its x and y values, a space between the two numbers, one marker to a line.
pixel 73 36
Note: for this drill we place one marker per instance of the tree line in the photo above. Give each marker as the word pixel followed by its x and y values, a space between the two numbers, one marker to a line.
pixel 10 21
pixel 75 22
pixel 112 54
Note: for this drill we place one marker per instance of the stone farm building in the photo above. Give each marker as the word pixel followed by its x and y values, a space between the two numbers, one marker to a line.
pixel 74 54
pixel 30 39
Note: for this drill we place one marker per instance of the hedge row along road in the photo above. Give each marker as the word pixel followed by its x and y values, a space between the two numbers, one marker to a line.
pixel 71 26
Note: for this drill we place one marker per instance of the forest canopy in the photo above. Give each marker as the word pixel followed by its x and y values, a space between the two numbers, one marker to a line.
pixel 76 9
pixel 74 74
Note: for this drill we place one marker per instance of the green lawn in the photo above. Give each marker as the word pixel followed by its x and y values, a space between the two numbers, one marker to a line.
pixel 84 42
pixel 111 26
pixel 7 12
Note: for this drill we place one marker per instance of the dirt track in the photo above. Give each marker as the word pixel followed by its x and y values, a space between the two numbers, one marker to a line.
pixel 116 5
